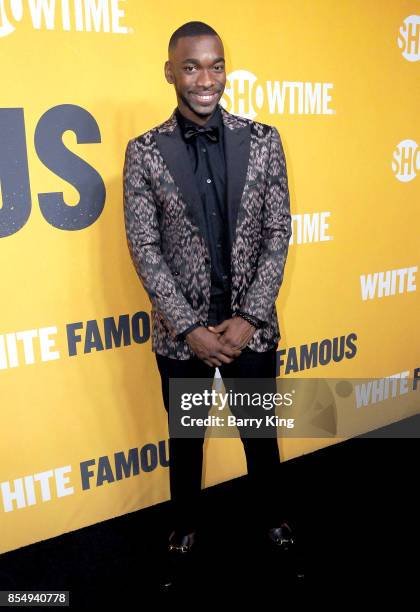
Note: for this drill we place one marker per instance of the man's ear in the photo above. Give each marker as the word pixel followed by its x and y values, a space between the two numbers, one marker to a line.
pixel 168 72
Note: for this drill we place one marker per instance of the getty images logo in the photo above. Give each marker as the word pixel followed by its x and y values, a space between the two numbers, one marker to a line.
pixel 406 161
pixel 245 96
pixel 409 38
pixel 77 15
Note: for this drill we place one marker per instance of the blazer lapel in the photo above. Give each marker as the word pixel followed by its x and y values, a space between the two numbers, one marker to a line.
pixel 237 135
pixel 175 154
pixel 237 150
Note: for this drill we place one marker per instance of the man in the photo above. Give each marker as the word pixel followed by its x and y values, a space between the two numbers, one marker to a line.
pixel 208 223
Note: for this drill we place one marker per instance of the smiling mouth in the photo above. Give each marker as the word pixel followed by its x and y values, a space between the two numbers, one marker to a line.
pixel 205 98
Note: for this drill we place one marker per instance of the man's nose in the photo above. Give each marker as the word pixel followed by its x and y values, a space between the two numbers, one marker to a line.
pixel 205 79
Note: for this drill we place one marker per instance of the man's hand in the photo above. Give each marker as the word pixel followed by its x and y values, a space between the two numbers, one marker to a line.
pixel 236 332
pixel 208 347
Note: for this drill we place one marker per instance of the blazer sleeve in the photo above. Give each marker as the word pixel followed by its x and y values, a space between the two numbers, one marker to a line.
pixel 276 231
pixel 143 239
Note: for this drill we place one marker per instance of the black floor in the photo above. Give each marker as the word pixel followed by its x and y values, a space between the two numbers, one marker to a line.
pixel 354 505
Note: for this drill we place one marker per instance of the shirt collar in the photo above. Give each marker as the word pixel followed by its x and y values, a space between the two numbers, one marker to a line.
pixel 215 119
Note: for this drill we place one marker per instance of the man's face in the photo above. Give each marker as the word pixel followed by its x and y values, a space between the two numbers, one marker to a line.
pixel 196 67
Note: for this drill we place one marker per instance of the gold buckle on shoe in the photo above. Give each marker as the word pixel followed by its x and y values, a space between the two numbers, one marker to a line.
pixel 180 549
pixel 284 541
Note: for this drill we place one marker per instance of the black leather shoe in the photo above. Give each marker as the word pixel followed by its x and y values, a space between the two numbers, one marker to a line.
pixel 282 536
pixel 282 542
pixel 177 563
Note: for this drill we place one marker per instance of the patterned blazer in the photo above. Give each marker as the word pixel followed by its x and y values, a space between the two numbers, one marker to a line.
pixel 164 223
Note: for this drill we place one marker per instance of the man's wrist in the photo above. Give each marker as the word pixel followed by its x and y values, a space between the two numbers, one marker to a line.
pixel 183 335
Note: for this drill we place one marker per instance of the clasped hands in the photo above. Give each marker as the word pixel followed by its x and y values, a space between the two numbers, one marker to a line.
pixel 221 343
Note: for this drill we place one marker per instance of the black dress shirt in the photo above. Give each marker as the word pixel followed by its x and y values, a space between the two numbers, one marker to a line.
pixel 207 157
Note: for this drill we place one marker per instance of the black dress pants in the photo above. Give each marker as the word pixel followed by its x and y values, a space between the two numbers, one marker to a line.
pixel 186 454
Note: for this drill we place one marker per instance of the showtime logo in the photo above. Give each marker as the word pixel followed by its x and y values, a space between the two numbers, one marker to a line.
pixel 406 161
pixel 409 38
pixel 245 96
pixel 68 15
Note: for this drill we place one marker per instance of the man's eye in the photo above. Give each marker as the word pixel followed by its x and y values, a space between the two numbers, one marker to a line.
pixel 219 68
pixel 189 68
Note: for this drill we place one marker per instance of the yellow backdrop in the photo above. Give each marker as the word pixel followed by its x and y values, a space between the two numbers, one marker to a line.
pixel 83 425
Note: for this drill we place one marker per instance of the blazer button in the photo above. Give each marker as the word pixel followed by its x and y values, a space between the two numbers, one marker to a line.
pixel 176 273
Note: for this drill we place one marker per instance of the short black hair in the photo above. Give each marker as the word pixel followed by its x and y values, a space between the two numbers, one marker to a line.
pixel 191 28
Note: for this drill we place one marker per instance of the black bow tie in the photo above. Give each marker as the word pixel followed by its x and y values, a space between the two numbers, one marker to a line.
pixel 212 133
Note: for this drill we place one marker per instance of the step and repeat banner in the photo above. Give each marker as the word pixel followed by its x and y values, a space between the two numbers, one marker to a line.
pixel 84 431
